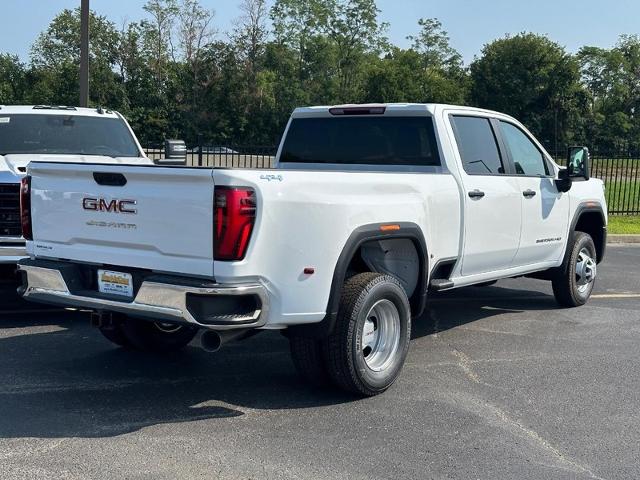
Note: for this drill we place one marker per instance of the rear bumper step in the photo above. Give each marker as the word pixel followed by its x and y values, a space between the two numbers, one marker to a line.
pixel 208 305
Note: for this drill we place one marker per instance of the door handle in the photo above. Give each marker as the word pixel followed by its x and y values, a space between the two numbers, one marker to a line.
pixel 529 193
pixel 110 179
pixel 476 194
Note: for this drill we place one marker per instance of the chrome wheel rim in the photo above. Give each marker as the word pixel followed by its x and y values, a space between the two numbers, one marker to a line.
pixel 167 327
pixel 586 270
pixel 381 335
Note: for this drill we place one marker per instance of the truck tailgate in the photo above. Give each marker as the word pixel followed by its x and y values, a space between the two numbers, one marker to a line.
pixel 146 217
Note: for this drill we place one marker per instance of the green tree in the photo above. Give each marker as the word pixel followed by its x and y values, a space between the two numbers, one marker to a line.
pixel 612 80
pixel 296 23
pixel 13 80
pixel 356 37
pixel 55 57
pixel 158 36
pixel 146 102
pixel 299 28
pixel 430 71
pixel 401 76
pixel 535 80
pixel 433 45
pixel 172 76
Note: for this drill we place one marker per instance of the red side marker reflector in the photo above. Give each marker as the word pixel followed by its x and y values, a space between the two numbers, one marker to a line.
pixel 309 271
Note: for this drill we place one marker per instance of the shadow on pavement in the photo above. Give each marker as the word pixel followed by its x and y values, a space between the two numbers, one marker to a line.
pixel 10 301
pixel 73 383
pixel 447 310
pixel 70 382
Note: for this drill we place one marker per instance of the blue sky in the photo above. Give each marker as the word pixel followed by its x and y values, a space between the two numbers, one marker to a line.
pixel 470 23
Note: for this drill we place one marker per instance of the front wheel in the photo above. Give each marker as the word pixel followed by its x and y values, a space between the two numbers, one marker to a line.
pixel 366 352
pixel 157 337
pixel 575 278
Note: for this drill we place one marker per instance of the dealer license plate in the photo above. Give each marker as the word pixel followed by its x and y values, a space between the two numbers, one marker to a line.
pixel 115 283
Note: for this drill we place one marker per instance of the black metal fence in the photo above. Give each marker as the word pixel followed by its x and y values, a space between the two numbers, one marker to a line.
pixel 223 156
pixel 621 174
pixel 620 171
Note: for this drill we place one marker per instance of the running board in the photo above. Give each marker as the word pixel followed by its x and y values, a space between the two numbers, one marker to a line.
pixel 439 284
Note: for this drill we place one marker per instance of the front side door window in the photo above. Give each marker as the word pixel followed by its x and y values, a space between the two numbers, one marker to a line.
pixel 527 157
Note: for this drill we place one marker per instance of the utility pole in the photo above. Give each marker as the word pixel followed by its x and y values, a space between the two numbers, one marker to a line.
pixel 84 53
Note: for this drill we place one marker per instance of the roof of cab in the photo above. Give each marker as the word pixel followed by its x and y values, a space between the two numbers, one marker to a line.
pixel 56 110
pixel 429 108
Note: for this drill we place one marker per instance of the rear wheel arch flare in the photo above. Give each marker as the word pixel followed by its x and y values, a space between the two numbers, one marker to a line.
pixel 350 255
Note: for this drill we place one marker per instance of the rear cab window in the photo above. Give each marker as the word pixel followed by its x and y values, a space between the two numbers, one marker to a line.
pixel 362 140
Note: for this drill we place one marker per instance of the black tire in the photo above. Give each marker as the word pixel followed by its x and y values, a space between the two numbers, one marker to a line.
pixel 157 337
pixel 566 288
pixel 308 357
pixel 344 354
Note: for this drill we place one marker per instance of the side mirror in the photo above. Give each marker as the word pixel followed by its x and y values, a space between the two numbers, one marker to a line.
pixel 578 162
pixel 564 182
pixel 175 153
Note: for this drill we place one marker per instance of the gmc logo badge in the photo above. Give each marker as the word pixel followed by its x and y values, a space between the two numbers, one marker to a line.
pixel 112 206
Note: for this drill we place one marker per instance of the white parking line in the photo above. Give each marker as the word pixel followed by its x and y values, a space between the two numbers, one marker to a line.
pixel 616 295
pixel 534 296
pixel 32 310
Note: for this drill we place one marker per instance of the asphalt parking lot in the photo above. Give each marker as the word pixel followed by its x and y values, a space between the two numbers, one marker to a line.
pixel 499 383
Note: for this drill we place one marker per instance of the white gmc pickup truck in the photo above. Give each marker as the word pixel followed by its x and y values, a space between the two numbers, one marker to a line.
pixel 54 134
pixel 370 208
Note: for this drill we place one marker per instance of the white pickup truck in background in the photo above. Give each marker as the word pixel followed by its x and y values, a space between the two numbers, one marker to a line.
pixel 370 208
pixel 54 134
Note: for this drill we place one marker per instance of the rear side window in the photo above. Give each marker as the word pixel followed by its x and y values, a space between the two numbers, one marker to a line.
pixel 362 140
pixel 477 145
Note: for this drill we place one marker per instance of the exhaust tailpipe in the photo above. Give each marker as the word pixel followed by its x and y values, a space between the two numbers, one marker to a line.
pixel 211 341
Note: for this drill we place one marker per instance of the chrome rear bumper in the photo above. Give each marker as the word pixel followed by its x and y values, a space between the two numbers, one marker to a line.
pixel 154 300
pixel 12 250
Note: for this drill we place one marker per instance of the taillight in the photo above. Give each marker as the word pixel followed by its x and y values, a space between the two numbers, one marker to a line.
pixel 25 207
pixel 234 216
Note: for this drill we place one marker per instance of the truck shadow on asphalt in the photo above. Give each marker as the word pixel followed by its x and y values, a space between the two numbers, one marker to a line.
pixel 70 382
pixel 447 310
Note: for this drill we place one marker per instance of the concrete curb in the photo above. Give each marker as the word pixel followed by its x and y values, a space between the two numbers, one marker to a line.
pixel 617 238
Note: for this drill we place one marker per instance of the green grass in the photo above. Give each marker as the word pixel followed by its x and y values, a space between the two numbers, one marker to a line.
pixel 624 225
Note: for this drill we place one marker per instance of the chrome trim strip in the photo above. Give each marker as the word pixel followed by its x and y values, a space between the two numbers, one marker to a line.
pixel 12 254
pixel 156 301
pixel 19 240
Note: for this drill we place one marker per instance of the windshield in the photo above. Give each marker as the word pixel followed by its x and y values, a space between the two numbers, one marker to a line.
pixel 362 140
pixel 65 135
